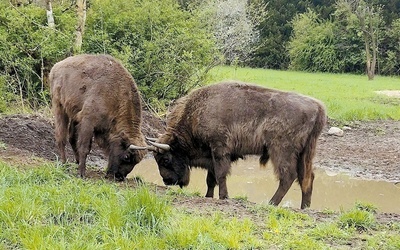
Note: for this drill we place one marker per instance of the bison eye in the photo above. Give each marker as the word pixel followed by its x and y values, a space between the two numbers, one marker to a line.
pixel 166 161
pixel 126 158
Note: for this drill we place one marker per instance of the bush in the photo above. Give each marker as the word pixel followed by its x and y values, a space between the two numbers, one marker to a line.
pixel 391 53
pixel 28 48
pixel 164 47
pixel 324 46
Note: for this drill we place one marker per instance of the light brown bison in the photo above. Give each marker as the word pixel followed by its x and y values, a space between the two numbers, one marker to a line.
pixel 94 96
pixel 217 124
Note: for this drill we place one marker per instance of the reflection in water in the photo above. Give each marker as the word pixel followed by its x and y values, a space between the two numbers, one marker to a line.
pixel 331 191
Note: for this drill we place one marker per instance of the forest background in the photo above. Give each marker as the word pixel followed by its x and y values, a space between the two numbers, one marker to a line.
pixel 169 46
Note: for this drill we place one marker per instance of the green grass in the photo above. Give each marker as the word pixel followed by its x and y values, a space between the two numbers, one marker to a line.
pixel 347 97
pixel 45 207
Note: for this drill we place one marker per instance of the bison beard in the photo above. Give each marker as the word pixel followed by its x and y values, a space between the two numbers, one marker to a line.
pixel 217 124
pixel 94 96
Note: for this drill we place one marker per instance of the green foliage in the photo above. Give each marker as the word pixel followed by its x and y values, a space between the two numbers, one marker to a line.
pixel 28 48
pixel 324 46
pixel 5 96
pixel 275 31
pixel 177 191
pixel 391 66
pixel 312 46
pixel 357 218
pixel 165 48
pixel 366 207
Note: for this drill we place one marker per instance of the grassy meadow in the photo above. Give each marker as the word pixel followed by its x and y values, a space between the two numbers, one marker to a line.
pixel 347 97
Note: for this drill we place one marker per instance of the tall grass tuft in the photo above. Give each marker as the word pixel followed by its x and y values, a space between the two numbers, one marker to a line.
pixel 358 218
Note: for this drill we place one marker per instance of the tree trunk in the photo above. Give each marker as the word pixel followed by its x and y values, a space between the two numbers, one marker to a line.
pixel 370 63
pixel 374 40
pixel 49 12
pixel 81 13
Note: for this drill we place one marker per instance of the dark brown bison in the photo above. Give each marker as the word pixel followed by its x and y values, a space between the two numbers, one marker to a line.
pixel 94 96
pixel 217 124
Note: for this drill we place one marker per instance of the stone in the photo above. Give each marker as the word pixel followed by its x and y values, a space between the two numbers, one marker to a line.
pixel 335 131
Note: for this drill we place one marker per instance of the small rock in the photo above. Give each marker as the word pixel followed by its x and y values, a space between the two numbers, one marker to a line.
pixel 335 131
pixel 346 128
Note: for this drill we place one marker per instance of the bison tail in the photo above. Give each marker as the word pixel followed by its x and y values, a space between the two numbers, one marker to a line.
pixel 304 167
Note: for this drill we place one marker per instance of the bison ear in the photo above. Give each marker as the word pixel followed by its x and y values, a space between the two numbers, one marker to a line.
pixel 123 135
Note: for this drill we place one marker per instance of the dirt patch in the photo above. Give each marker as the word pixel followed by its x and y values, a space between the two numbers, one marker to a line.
pixel 368 150
pixel 33 136
pixel 391 93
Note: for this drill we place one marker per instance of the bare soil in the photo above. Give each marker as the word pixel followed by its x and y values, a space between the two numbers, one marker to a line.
pixel 368 150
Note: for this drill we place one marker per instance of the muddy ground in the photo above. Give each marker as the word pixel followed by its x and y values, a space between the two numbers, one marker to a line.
pixel 368 150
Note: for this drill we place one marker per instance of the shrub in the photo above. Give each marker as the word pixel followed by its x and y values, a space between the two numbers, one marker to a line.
pixel 28 48
pixel 164 47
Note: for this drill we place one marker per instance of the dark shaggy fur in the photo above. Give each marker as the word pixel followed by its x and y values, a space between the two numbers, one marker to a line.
pixel 217 124
pixel 95 96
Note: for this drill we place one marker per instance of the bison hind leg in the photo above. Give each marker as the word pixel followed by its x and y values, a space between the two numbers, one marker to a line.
pixel 61 130
pixel 285 167
pixel 73 138
pixel 306 192
pixel 85 133
pixel 211 183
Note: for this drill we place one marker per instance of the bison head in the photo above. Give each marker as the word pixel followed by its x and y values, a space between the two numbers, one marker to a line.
pixel 122 158
pixel 172 165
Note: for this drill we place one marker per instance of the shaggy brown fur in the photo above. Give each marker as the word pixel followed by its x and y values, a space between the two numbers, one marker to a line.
pixel 95 96
pixel 217 124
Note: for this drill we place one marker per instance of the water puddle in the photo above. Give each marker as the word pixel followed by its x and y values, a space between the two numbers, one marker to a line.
pixel 331 191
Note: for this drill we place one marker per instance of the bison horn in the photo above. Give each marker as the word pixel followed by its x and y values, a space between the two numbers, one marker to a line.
pixel 134 147
pixel 151 139
pixel 162 146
